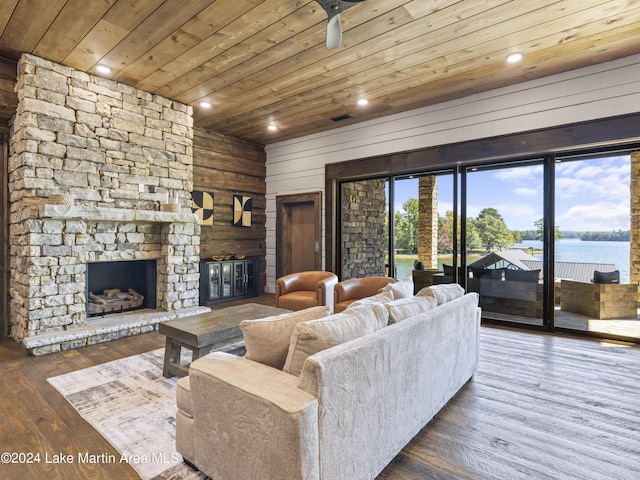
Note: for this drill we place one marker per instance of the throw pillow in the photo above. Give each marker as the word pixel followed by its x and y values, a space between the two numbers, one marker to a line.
pixel 401 289
pixel 313 336
pixel 442 293
pixel 382 297
pixel 409 307
pixel 606 277
pixel 267 339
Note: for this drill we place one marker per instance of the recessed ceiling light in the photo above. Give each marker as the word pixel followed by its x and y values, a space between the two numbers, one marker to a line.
pixel 205 104
pixel 272 127
pixel 514 57
pixel 103 69
pixel 363 101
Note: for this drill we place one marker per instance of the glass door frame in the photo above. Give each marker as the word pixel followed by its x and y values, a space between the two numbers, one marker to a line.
pixel 391 179
pixel 460 211
pixel 548 244
pixel 548 163
pixel 549 221
pixel 454 200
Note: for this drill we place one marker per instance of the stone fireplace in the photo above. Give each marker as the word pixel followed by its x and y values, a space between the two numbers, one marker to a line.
pixel 118 152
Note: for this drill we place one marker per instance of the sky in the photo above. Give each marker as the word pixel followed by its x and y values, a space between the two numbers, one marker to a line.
pixel 591 195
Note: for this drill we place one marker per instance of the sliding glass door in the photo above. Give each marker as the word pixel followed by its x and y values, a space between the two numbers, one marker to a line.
pixel 423 237
pixel 547 242
pixel 391 226
pixel 503 240
pixel 595 291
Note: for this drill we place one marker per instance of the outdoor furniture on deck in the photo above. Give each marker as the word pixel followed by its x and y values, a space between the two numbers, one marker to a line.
pixel 514 297
pixel 447 275
pixel 423 278
pixel 599 300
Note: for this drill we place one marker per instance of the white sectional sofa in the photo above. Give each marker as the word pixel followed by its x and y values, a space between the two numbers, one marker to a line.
pixel 354 405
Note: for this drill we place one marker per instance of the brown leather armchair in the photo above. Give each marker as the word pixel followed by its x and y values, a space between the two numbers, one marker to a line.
pixel 348 291
pixel 301 290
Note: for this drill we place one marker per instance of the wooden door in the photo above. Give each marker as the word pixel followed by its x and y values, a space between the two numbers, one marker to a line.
pixel 298 233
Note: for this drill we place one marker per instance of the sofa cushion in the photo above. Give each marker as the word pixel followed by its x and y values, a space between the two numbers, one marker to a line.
pixel 401 289
pixel 409 307
pixel 267 339
pixel 183 397
pixel 313 336
pixel 382 297
pixel 442 293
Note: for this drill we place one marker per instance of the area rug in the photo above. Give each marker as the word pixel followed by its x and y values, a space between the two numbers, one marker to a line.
pixel 134 408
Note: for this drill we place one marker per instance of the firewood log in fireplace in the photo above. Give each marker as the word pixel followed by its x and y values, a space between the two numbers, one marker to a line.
pixel 113 300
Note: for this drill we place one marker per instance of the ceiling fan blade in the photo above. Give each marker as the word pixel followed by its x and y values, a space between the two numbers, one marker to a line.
pixel 334 32
pixel 334 28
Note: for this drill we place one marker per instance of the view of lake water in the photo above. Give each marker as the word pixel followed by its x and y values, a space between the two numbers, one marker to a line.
pixel 567 250
pixel 575 250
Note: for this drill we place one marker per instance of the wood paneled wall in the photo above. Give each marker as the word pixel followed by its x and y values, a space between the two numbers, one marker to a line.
pixel 8 97
pixel 227 166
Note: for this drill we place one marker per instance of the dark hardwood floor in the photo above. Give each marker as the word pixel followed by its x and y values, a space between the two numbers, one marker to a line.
pixel 36 419
pixel 540 406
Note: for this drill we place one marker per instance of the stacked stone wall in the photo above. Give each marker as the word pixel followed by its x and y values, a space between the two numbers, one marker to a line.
pixel 113 148
pixel 364 243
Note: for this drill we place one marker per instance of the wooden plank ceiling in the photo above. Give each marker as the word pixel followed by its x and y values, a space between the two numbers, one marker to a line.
pixel 260 62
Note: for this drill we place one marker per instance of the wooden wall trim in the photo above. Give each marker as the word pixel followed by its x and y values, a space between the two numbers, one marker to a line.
pixel 8 96
pixel 613 133
pixel 4 233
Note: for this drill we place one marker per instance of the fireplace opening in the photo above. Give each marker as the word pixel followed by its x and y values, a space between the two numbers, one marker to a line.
pixel 114 287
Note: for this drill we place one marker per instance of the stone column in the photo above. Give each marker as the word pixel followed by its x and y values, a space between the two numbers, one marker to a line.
pixel 178 268
pixel 634 260
pixel 428 221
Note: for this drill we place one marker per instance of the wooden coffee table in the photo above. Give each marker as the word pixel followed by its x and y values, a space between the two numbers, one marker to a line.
pixel 207 331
